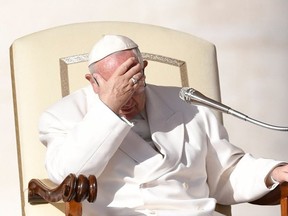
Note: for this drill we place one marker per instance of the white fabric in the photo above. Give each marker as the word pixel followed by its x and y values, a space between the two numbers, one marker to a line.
pixel 196 167
pixel 109 44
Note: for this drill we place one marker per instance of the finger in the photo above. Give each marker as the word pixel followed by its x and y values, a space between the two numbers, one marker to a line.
pixel 125 66
pixel 137 78
pixel 134 71
pixel 134 81
pixel 280 173
pixel 140 86
pixel 140 77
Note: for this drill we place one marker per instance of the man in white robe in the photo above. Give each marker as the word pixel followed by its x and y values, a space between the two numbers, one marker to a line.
pixel 152 153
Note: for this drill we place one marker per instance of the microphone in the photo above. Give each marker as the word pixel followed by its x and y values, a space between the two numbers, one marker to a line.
pixel 191 95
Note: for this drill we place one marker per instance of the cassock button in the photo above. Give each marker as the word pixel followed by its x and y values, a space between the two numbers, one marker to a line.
pixel 151 212
pixel 185 185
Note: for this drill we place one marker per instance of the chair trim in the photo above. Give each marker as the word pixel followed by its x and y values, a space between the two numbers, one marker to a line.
pixel 66 61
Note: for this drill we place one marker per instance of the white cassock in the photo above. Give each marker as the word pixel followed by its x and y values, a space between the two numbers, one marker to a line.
pixel 196 166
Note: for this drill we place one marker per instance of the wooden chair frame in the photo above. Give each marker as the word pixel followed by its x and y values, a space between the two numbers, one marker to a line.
pixel 284 199
pixel 73 190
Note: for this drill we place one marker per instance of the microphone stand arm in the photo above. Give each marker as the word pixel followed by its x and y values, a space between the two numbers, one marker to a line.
pixel 196 97
pixel 254 121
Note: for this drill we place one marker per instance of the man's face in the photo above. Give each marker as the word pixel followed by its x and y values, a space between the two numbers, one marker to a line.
pixel 107 66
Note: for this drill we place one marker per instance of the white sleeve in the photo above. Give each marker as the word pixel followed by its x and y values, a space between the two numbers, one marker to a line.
pixel 83 147
pixel 233 175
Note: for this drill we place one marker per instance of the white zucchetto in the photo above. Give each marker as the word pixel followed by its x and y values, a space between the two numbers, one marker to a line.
pixel 109 44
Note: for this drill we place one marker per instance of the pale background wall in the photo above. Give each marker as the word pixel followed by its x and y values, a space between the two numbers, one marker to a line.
pixel 252 44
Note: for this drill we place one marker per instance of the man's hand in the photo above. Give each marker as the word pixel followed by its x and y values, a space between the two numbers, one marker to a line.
pixel 280 173
pixel 119 88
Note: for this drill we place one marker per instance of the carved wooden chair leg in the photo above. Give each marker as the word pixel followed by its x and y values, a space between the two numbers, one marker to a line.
pixel 284 199
pixel 73 208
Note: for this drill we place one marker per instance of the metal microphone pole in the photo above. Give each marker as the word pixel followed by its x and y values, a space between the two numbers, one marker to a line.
pixel 190 95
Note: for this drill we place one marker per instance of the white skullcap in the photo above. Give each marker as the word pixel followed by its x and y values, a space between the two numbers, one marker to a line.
pixel 110 44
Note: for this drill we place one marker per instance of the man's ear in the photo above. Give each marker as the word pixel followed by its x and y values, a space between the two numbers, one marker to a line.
pixel 92 81
pixel 145 64
pixel 89 77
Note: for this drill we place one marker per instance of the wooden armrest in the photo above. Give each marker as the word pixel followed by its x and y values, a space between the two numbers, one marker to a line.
pixel 284 199
pixel 71 189
pixel 278 195
pixel 272 198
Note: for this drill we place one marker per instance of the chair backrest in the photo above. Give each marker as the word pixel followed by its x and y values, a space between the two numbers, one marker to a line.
pixel 49 64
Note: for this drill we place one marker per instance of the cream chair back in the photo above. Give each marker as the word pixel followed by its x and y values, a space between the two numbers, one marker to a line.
pixel 50 64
